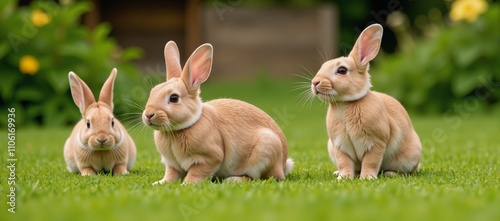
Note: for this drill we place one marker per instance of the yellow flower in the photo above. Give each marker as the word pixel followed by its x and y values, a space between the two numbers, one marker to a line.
pixel 467 10
pixel 39 18
pixel 28 65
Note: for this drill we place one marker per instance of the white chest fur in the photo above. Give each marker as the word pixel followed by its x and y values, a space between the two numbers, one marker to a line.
pixel 171 154
pixel 355 132
pixel 347 133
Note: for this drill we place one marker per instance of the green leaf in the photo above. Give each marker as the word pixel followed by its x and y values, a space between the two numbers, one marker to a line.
pixel 29 94
pixel 8 83
pixel 465 82
pixel 131 53
pixel 7 7
pixel 33 111
pixel 52 111
pixel 101 32
pixel 71 14
pixel 466 55
pixel 58 81
pixel 77 49
pixel 4 49
pixel 462 84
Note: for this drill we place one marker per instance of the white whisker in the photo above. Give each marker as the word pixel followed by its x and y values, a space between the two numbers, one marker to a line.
pixel 305 96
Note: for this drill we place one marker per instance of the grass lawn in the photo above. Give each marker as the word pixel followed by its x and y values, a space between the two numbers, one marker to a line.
pixel 459 178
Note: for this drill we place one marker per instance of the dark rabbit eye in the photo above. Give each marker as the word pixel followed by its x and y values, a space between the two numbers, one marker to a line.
pixel 88 124
pixel 113 122
pixel 174 98
pixel 342 70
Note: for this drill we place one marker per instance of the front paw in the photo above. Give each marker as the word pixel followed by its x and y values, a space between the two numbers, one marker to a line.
pixel 120 169
pixel 343 175
pixel 187 183
pixel 191 180
pixel 336 173
pixel 237 179
pixel 87 172
pixel 125 172
pixel 160 182
pixel 368 177
pixel 391 174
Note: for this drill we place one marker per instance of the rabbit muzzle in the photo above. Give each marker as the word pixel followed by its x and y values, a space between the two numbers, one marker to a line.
pixel 155 119
pixel 102 141
pixel 323 89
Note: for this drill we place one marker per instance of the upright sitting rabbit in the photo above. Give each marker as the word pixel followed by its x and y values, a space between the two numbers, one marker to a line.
pixel 222 138
pixel 98 142
pixel 368 131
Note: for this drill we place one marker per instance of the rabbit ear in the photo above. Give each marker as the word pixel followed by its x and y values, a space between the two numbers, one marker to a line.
pixel 172 60
pixel 198 67
pixel 106 94
pixel 82 95
pixel 367 45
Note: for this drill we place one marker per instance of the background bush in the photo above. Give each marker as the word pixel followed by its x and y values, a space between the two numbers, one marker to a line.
pixel 42 43
pixel 441 64
pixel 429 62
pixel 437 64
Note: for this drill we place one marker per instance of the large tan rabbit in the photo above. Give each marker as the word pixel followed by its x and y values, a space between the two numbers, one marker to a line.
pixel 222 138
pixel 368 131
pixel 98 142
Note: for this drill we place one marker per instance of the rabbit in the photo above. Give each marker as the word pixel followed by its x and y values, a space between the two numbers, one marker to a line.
pixel 369 132
pixel 223 138
pixel 98 142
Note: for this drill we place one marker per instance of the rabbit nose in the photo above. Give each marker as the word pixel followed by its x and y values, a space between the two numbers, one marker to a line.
pixel 102 140
pixel 315 83
pixel 149 116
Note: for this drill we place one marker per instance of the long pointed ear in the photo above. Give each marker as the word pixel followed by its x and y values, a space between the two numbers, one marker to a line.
pixel 172 60
pixel 106 94
pixel 198 67
pixel 82 95
pixel 367 45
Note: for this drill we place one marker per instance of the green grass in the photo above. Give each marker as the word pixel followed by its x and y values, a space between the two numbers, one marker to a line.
pixel 459 178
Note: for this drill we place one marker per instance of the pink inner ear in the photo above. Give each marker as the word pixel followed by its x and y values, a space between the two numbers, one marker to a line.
pixel 198 73
pixel 76 91
pixel 198 66
pixel 369 48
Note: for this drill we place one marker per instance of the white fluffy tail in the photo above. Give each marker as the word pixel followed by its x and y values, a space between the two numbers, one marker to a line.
pixel 289 165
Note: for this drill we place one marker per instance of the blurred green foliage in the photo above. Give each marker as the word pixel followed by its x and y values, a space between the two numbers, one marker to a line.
pixel 52 36
pixel 353 16
pixel 451 64
pixel 428 62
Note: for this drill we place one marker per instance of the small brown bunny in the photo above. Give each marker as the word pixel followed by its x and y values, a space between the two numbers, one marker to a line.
pixel 368 131
pixel 99 142
pixel 222 138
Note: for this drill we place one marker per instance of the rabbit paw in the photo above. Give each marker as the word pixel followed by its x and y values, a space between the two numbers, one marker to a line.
pixel 343 176
pixel 368 177
pixel 160 182
pixel 88 172
pixel 237 179
pixel 121 173
pixel 391 174
pixel 120 169
pixel 187 183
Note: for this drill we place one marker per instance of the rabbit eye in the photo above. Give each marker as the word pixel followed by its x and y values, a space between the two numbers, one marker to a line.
pixel 113 122
pixel 174 98
pixel 342 70
pixel 88 124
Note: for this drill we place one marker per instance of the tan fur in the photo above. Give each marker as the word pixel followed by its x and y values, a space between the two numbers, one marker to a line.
pixel 222 138
pixel 106 146
pixel 368 131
